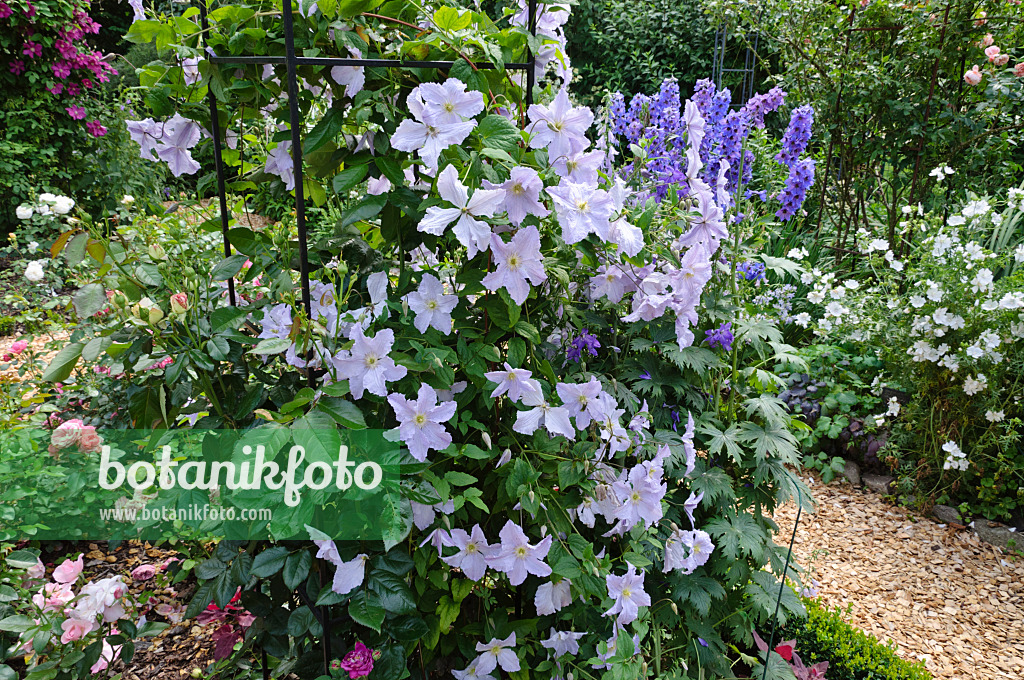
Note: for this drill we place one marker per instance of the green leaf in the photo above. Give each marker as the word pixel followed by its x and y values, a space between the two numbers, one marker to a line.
pixel 393 591
pixel 348 178
pixel 497 132
pixel 22 559
pixel 343 412
pixel 229 267
pixel 456 478
pixel 63 364
pixel 271 346
pixel 719 440
pixel 89 299
pixel 227 318
pixel 296 568
pixel 269 562
pixel 366 610
pixel 95 347
pixel 449 20
pixel 326 129
pixel 218 348
pixel 350 8
pixel 301 621
pixel 737 536
pixel 149 274
pixel 17 623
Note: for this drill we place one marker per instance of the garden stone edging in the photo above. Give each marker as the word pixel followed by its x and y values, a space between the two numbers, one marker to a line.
pixel 989 532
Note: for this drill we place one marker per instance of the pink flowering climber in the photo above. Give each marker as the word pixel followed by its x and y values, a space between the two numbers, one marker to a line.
pixel 421 422
pixel 973 77
pixel 516 557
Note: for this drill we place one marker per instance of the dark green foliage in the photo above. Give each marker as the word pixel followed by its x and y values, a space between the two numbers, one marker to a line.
pixel 851 653
pixel 632 46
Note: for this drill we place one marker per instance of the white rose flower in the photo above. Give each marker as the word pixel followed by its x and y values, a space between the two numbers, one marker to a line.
pixel 24 212
pixel 63 205
pixel 34 271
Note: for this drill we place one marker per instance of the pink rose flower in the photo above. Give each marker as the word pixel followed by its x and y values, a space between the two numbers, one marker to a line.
pixel 144 572
pixel 89 441
pixel 74 629
pixel 991 52
pixel 69 571
pixel 37 570
pixel 987 40
pixel 358 662
pixel 973 77
pixel 1001 59
pixel 1018 70
pixel 53 597
pixel 19 346
pixel 67 434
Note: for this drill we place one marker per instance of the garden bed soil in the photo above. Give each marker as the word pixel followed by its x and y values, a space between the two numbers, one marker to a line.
pixel 937 591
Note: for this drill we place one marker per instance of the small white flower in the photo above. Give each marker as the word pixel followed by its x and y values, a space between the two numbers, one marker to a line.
pixel 33 246
pixel 894 407
pixel 934 293
pixel 127 200
pixel 974 385
pixel 917 302
pixel 816 297
pixel 62 205
pixel 34 271
pixel 802 319
pixel 976 208
pixel 956 220
pixel 995 416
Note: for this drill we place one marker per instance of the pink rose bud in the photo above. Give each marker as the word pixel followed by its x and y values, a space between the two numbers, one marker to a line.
pixel 68 571
pixel 179 303
pixel 19 346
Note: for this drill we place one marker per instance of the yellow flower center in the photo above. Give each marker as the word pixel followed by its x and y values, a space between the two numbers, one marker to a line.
pixel 432 305
pixel 626 593
pixel 420 419
pixel 582 205
pixel 370 360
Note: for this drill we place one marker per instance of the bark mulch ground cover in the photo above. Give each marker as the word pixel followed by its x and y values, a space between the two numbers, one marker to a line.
pixel 938 592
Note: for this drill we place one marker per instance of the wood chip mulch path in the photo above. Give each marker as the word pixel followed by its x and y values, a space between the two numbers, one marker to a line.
pixel 936 591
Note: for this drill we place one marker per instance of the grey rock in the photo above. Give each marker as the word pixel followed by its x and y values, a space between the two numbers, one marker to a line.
pixel 852 473
pixel 996 535
pixel 947 514
pixel 878 483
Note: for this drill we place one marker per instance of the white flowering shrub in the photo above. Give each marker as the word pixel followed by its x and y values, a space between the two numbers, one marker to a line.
pixel 947 319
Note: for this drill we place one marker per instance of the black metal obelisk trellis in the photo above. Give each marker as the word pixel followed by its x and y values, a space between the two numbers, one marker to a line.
pixel 292 61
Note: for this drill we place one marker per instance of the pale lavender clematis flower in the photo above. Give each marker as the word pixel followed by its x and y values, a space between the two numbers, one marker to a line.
pixel 277 322
pixel 581 209
pixel 421 422
pixel 580 167
pixel 473 233
pixel 691 504
pixel 449 102
pixel 676 558
pixel 552 597
pixel 327 550
pixel 140 12
pixel 497 652
pixel 628 592
pixel 694 123
pixel 190 70
pixel 708 227
pixel 516 382
pixel 429 137
pixel 560 128
pixel 349 575
pixel 517 264
pixel 180 134
pixel 472 672
pixel 580 399
pixel 147 133
pixel 378 185
pixel 640 500
pixel 352 77
pixel 626 236
pixel 516 557
pixel 431 306
pixel 473 552
pixel 700 545
pixel 522 194
pixel 368 367
pixel 691 453
pixel 563 642
pixel 555 419
pixel 281 163
pixel 721 192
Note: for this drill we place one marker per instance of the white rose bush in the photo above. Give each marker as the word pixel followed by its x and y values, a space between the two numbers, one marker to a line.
pixel 547 312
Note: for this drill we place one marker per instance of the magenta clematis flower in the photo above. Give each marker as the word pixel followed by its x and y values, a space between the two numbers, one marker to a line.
pixel 431 306
pixel 518 263
pixel 32 50
pixel 472 232
pixel 421 422
pixel 516 382
pixel 582 209
pixel 473 552
pixel 560 128
pixel 628 592
pixel 516 557
pixel 75 112
pixel 95 128
pixel 17 67
pixel 367 367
